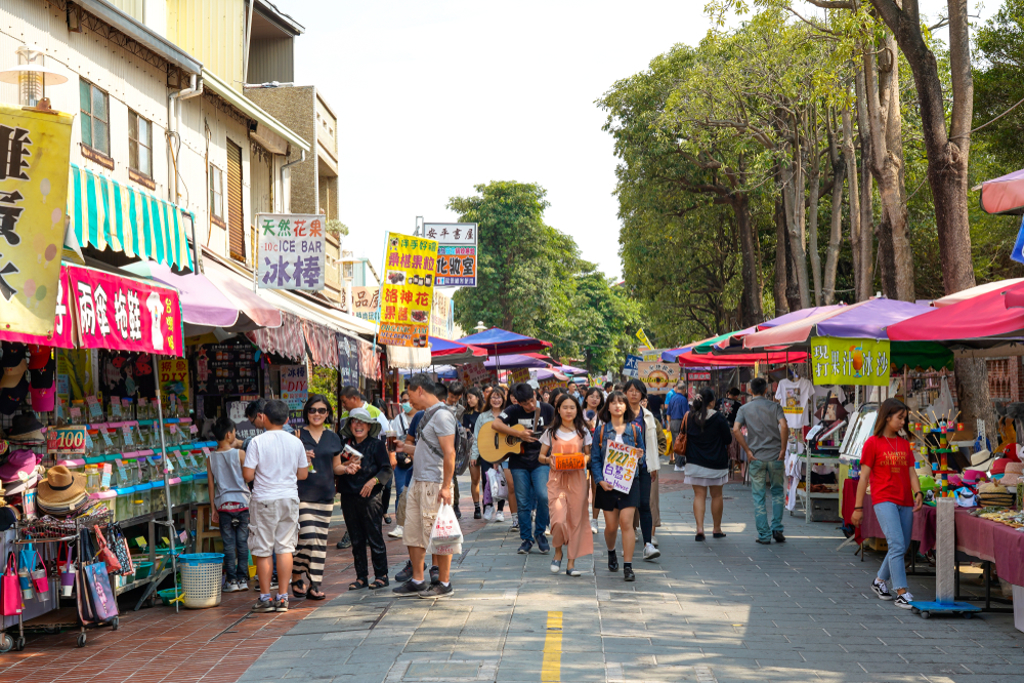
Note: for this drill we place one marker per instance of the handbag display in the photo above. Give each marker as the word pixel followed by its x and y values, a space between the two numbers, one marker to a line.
pixel 105 553
pixel 831 410
pixel 119 544
pixel 679 445
pixel 101 596
pixel 10 589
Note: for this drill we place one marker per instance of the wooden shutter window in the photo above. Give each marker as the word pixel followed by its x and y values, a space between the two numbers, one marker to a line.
pixel 236 229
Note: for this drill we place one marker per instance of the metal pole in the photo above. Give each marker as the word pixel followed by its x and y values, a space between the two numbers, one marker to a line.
pixel 167 487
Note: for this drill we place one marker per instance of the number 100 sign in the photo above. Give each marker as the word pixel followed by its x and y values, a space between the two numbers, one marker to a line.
pixel 66 440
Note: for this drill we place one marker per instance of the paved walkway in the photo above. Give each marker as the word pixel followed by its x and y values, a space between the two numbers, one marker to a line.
pixel 722 610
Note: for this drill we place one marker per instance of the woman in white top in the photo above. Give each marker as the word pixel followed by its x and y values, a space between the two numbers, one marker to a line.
pixel 496 403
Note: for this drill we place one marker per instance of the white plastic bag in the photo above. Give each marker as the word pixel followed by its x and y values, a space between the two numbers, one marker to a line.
pixel 446 534
pixel 496 481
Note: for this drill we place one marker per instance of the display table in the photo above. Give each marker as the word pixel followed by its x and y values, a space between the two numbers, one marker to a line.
pixel 924 519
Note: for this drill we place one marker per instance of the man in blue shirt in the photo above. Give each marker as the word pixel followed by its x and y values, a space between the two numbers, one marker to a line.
pixel 677 409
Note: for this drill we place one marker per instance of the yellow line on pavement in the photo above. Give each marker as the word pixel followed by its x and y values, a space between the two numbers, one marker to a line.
pixel 551 669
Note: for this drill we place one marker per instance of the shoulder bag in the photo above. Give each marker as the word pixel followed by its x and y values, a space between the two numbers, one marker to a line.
pixel 679 445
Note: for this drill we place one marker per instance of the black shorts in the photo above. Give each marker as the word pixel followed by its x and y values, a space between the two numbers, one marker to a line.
pixel 617 500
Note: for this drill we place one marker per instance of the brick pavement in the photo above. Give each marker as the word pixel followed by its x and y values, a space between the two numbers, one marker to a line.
pixel 722 610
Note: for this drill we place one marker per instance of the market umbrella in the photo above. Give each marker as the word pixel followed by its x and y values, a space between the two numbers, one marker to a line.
pixel 995 314
pixel 499 342
pixel 571 370
pixel 693 360
pixel 1004 195
pixel 514 361
pixel 203 306
pixel 864 320
pixel 971 292
pixel 454 353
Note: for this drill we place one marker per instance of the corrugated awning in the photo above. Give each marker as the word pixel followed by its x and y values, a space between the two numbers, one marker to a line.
pixel 106 214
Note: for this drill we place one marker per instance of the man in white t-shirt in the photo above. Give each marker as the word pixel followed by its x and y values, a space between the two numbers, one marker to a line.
pixel 274 461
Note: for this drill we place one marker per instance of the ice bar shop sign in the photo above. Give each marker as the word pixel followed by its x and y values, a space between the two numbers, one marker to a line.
pixel 291 251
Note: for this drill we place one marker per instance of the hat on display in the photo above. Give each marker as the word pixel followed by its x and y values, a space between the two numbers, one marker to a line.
pixel 955 480
pixel 982 461
pixel 61 488
pixel 39 356
pixel 21 463
pixel 11 399
pixel 1012 475
pixel 7 517
pixel 970 476
pixel 76 504
pixel 26 428
pixel 999 466
pixel 363 415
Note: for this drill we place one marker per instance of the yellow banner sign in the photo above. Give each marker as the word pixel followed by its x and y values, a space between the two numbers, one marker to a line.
pixel 850 361
pixel 408 290
pixel 658 377
pixel 642 336
pixel 34 168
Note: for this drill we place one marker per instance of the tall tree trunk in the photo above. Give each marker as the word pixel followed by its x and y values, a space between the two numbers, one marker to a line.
pixel 947 151
pixel 854 193
pixel 835 238
pixel 814 171
pixel 867 216
pixel 750 300
pixel 781 283
pixel 795 214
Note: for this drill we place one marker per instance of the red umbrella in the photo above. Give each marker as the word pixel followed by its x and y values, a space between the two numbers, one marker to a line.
pixel 998 313
pixel 692 360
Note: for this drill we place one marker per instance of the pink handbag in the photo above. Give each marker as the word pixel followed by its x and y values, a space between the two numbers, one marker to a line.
pixel 10 590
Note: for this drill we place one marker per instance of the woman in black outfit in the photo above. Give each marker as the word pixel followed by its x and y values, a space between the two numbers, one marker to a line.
pixel 474 406
pixel 360 483
pixel 707 459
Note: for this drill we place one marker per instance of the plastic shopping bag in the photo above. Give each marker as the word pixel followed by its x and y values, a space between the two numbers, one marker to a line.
pixel 485 495
pixel 496 482
pixel 446 534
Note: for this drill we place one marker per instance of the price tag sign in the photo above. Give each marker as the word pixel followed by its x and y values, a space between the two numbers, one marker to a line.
pixel 193 429
pixel 181 461
pixel 174 429
pixel 95 409
pixel 206 452
pixel 106 438
pixel 127 432
pixel 88 440
pixel 122 473
pixel 141 542
pixel 105 479
pixel 66 441
pixel 75 412
pixel 115 408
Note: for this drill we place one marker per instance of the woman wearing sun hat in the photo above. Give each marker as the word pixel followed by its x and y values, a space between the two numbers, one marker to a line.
pixel 360 483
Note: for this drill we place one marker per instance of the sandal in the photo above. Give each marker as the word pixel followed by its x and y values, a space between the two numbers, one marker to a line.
pixel 357 584
pixel 380 583
pixel 699 537
pixel 718 534
pixel 314 593
pixel 298 595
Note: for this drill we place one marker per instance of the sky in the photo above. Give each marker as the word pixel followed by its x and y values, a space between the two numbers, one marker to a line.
pixel 436 96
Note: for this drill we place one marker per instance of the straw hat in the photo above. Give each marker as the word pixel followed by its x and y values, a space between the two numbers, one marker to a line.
pixel 1012 475
pixel 26 428
pixel 982 461
pixel 60 488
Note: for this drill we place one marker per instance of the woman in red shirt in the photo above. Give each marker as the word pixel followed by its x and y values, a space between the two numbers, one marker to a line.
pixel 887 462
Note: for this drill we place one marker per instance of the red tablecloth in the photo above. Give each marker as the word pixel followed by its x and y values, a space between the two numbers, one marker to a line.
pixel 981 538
pixel 924 519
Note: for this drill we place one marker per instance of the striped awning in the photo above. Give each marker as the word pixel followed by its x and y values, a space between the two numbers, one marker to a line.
pixel 106 214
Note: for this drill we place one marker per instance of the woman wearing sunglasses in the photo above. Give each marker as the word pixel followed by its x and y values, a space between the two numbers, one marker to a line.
pixel 316 498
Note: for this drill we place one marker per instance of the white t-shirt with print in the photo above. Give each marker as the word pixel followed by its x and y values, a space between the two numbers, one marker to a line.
pixel 276 456
pixel 795 398
pixel 566 435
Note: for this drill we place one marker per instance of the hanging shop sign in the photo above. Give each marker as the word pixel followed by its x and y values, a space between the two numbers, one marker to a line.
pixel 456 264
pixel 408 290
pixel 701 376
pixel 630 368
pixel 365 303
pixel 653 355
pixel 552 383
pixel 66 441
pixel 348 360
pixel 115 312
pixel 474 374
pixel 294 386
pixel 658 377
pixel 173 374
pixel 519 375
pixel 442 320
pixel 34 162
pixel 228 369
pixel 291 251
pixel 850 361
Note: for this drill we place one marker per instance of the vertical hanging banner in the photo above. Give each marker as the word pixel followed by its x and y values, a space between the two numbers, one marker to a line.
pixel 34 168
pixel 456 253
pixel 124 314
pixel 348 360
pixel 174 379
pixel 294 386
pixel 408 290
pixel 291 251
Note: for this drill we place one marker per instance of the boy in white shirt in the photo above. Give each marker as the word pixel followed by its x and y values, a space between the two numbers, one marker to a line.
pixel 274 462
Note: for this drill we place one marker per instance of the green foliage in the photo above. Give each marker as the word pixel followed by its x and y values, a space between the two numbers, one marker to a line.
pixel 531 280
pixel 325 381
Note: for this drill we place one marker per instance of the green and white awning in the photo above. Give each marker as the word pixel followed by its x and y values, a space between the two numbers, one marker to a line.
pixel 106 214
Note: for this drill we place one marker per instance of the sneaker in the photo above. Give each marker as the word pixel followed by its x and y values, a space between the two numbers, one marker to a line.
pixel 556 566
pixel 881 590
pixel 763 541
pixel 281 604
pixel 405 573
pixel 903 601
pixel 654 540
pixel 397 532
pixel 515 521
pixel 476 512
pixel 779 538
pixel 273 582
pixel 438 590
pixel 409 588
pixel 489 512
pixel 499 516
pixel 628 574
pixel 651 553
pixel 230 587
pixel 387 519
pixel 435 574
pixel 263 605
pixel 524 549
pixel 345 542
pixel 593 526
pixel 542 544
pixel 242 585
pixel 680 469
pixel 573 572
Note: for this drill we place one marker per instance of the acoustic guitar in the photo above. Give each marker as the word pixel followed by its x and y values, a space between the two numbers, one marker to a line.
pixel 494 446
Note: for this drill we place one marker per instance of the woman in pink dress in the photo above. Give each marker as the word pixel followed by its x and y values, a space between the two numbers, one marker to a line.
pixel 568 490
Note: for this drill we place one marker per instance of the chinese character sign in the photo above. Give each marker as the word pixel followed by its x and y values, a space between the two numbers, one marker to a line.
pixel 630 368
pixel 121 313
pixel 34 167
pixel 850 361
pixel 366 302
pixel 456 264
pixel 658 377
pixel 174 378
pixel 348 360
pixel 408 290
pixel 620 463
pixel 291 251
pixel 294 386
